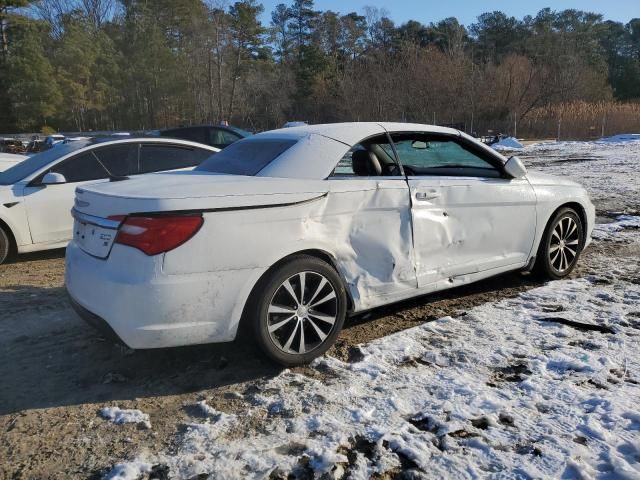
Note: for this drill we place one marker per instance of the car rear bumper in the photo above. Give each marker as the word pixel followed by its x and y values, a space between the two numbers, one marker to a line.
pixel 95 321
pixel 130 297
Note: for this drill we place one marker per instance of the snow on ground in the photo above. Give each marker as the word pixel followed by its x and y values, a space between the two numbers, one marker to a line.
pixel 610 231
pixel 608 170
pixel 508 143
pixel 625 137
pixel 120 416
pixel 546 384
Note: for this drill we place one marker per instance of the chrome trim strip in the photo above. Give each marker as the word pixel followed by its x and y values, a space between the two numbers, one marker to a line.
pixel 227 209
pixel 93 220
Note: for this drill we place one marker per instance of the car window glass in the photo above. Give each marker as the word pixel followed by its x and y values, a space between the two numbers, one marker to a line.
pixel 36 162
pixel 195 134
pixel 229 138
pixel 424 154
pixel 246 157
pixel 119 160
pixel 82 168
pixel 221 137
pixel 345 165
pixel 159 158
pixel 382 150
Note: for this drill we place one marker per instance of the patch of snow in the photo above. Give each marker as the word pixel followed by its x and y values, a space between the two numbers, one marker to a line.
pixel 129 471
pixel 219 418
pixel 120 416
pixel 625 137
pixel 509 143
pixel 609 231
pixel 608 170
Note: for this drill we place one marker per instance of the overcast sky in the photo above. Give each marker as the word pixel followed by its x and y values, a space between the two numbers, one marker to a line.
pixel 466 11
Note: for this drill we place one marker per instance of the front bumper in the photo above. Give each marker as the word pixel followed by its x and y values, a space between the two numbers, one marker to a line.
pixel 129 295
pixel 591 223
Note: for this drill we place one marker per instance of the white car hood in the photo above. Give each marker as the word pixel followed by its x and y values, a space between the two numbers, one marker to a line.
pixel 537 179
pixel 186 191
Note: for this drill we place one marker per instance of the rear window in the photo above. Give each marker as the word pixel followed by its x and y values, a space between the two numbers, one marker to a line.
pixel 246 157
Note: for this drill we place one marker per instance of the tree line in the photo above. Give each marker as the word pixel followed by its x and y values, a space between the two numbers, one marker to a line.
pixel 81 65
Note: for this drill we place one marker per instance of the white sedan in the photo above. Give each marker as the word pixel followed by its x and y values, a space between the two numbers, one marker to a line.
pixel 289 231
pixel 36 194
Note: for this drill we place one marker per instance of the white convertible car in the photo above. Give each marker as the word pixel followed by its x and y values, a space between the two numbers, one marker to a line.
pixel 291 230
pixel 36 195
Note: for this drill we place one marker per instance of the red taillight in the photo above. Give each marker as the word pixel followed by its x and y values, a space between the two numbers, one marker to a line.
pixel 154 235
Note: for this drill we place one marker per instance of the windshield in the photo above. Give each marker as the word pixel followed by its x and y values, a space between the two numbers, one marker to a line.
pixel 36 162
pixel 246 157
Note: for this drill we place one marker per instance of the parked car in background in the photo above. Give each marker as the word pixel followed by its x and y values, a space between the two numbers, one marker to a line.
pixel 215 135
pixel 12 145
pixel 35 145
pixel 36 195
pixel 8 160
pixel 294 124
pixel 293 229
pixel 52 140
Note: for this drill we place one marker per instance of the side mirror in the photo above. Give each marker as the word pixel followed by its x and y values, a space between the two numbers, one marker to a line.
pixel 514 168
pixel 52 178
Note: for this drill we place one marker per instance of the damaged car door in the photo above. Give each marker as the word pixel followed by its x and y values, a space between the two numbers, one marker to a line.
pixel 468 217
pixel 369 206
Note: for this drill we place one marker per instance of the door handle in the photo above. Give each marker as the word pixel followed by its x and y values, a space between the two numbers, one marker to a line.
pixel 423 196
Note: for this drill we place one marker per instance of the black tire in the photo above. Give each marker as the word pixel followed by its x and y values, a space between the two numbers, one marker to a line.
pixel 555 258
pixel 6 247
pixel 276 321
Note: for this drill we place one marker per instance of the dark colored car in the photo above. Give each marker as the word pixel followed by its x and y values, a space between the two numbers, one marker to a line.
pixel 11 145
pixel 215 135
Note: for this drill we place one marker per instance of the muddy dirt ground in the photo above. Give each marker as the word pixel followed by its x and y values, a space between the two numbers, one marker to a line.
pixel 56 372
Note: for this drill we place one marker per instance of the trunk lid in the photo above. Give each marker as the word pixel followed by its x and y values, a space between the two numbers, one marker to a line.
pixel 180 192
pixel 189 190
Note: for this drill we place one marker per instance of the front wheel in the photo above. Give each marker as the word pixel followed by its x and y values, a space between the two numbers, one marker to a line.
pixel 560 245
pixel 5 246
pixel 298 310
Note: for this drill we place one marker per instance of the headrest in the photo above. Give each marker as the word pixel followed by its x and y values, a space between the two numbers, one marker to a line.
pixel 365 164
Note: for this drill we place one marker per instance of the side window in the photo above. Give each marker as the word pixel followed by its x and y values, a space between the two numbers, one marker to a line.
pixel 433 155
pixel 195 134
pixel 370 158
pixel 159 158
pixel 82 168
pixel 119 160
pixel 345 165
pixel 221 137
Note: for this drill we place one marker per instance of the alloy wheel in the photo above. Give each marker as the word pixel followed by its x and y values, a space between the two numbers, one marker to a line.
pixel 564 244
pixel 302 313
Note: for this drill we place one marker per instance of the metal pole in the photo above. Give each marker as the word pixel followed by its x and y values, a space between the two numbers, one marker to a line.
pixel 559 123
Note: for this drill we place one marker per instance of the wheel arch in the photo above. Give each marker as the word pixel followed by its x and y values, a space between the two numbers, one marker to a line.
pixel 12 239
pixel 580 211
pixel 310 252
